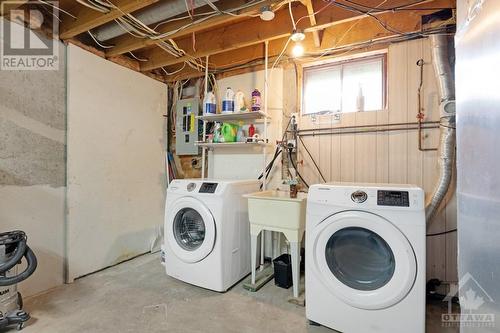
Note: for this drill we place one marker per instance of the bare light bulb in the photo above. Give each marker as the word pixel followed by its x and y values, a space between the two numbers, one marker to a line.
pixel 298 50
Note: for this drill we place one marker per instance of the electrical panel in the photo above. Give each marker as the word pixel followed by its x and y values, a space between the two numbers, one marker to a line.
pixel 186 126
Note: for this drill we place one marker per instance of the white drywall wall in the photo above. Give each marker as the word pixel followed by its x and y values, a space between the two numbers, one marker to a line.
pixel 115 162
pixel 247 163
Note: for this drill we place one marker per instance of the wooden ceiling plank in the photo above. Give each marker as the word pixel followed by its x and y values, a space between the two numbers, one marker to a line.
pixel 127 43
pixel 312 19
pixel 87 18
pixel 254 31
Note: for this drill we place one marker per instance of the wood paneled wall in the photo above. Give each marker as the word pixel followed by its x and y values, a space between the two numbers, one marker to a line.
pixel 388 157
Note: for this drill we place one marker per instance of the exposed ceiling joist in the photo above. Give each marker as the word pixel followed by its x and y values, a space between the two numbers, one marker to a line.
pixel 7 7
pixel 312 19
pixel 344 37
pixel 127 43
pixel 87 18
pixel 254 31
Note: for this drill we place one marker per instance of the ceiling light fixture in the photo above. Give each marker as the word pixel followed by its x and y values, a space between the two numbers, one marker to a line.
pixel 297 50
pixel 266 14
pixel 298 35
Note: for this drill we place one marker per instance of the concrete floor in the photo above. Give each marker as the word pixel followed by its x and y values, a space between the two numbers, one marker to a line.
pixel 137 296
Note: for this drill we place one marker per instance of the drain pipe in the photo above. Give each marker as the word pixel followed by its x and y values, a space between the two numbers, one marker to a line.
pixel 446 86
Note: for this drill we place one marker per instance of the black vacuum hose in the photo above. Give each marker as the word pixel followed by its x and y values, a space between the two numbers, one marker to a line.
pixel 18 240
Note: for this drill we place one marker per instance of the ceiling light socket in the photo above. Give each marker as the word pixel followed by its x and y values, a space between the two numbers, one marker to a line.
pixel 298 35
pixel 297 50
pixel 266 14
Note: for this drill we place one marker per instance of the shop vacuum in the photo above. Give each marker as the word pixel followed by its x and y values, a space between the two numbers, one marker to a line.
pixel 13 248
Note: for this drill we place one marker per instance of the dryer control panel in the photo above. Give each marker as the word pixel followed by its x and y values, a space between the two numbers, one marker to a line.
pixel 393 198
pixel 208 188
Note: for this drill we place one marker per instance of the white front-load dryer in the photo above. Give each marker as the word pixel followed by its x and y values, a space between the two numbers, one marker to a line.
pixel 207 232
pixel 365 258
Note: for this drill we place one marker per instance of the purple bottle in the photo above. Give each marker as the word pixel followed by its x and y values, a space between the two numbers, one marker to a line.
pixel 256 100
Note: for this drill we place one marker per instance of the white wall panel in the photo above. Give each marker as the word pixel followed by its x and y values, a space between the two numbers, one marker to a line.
pixel 115 158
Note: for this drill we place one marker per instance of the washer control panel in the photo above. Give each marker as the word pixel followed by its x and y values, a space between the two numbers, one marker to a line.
pixel 208 188
pixel 393 198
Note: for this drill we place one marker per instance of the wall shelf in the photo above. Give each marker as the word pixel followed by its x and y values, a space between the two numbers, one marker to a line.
pixel 229 144
pixel 235 116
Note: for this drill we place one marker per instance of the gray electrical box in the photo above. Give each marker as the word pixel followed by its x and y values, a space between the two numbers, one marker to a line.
pixel 186 126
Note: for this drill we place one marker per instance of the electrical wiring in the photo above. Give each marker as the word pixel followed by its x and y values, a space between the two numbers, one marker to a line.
pixel 57 7
pixel 329 3
pixel 179 19
pixel 97 42
pixel 282 52
pixel 211 4
pixel 291 14
pixel 369 13
pixel 137 58
pixel 397 8
pixel 174 72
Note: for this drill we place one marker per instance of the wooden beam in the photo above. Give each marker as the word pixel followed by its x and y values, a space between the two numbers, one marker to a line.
pixel 6 5
pixel 312 19
pixel 127 43
pixel 87 18
pixel 366 29
pixel 254 31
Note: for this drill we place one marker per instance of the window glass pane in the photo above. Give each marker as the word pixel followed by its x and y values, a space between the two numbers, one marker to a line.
pixel 362 86
pixel 322 90
pixel 360 258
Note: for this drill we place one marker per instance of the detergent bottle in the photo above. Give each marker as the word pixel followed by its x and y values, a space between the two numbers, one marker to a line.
pixel 239 103
pixel 210 104
pixel 217 134
pixel 228 101
pixel 256 100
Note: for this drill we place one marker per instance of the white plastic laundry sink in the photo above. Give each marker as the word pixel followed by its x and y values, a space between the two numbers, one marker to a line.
pixel 276 209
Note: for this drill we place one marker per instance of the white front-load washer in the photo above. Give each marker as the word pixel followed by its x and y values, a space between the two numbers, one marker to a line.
pixel 365 258
pixel 207 232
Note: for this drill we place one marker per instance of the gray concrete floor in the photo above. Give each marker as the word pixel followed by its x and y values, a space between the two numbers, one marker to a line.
pixel 137 296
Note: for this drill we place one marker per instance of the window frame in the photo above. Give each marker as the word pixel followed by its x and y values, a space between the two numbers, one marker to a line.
pixel 340 62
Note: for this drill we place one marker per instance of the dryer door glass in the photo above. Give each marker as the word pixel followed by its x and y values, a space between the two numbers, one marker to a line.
pixel 189 229
pixel 360 258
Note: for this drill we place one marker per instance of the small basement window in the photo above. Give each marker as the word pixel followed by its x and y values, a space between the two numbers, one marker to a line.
pixel 347 86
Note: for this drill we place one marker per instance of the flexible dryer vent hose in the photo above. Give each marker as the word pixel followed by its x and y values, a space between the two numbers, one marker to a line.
pixel 444 75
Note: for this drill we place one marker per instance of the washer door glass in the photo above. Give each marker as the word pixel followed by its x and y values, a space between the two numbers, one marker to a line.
pixel 360 258
pixel 189 229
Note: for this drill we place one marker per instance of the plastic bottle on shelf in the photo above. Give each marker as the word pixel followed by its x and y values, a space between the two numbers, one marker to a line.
pixel 228 101
pixel 256 100
pixel 239 103
pixel 251 130
pixel 210 104
pixel 217 134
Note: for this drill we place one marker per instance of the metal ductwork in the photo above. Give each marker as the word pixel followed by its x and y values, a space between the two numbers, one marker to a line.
pixel 151 15
pixel 446 86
